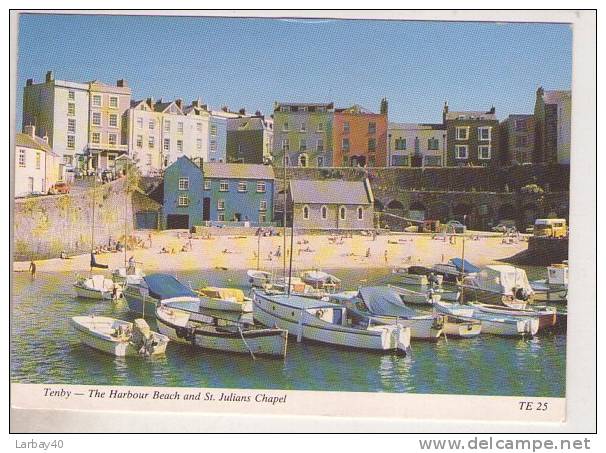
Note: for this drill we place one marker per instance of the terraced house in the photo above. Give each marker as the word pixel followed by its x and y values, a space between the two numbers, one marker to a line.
pixel 517 138
pixel 303 135
pixel 416 145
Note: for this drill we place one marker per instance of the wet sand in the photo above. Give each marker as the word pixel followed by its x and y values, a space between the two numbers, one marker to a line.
pixel 241 253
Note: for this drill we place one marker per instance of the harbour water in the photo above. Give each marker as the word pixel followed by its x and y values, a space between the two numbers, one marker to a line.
pixel 44 350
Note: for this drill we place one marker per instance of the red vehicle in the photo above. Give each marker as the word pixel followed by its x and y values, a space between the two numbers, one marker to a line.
pixel 59 188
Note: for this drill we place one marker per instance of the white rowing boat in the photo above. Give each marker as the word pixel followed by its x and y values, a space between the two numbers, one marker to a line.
pixel 96 287
pixel 224 299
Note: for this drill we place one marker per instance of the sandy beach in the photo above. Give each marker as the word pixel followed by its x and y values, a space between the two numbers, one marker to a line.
pixel 310 251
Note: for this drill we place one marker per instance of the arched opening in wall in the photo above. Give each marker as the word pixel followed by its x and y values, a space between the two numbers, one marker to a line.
pixel 529 214
pixel 439 211
pixel 357 161
pixel 417 211
pixel 395 205
pixel 379 206
pixel 507 211
pixel 463 212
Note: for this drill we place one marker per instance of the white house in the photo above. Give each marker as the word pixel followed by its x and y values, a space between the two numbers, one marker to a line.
pixel 36 165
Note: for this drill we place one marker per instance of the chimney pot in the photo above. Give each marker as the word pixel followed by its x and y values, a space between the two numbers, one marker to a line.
pixel 29 82
pixel 30 130
pixel 150 102
pixel 50 76
pixel 121 83
pixel 179 102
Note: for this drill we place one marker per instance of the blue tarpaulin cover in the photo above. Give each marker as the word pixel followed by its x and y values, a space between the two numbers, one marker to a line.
pixel 469 268
pixel 383 301
pixel 165 286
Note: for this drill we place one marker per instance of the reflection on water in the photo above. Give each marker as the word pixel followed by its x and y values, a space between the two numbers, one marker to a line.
pixel 44 350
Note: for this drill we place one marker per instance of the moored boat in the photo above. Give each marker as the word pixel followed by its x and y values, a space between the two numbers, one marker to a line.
pixel 547 316
pixel 458 327
pixel 96 287
pixel 320 280
pixel 498 284
pixel 416 297
pixel 258 279
pixel 226 299
pixel 132 274
pixel 555 287
pixel 455 270
pixel 505 325
pixel 418 276
pixel 117 337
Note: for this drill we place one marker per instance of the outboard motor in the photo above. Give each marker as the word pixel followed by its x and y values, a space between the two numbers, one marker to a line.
pixel 522 294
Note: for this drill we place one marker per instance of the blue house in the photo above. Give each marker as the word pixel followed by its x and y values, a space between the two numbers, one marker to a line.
pixel 217 136
pixel 238 193
pixel 183 182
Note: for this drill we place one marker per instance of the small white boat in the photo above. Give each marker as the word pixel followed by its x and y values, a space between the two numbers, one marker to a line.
pixel 507 326
pixel 418 276
pixel 117 337
pixel 200 329
pixel 224 299
pixel 326 323
pixel 133 274
pixel 454 309
pixel 547 316
pixel 96 287
pixel 498 284
pixel 320 280
pixel 258 279
pixel 455 326
pixel 555 287
pixel 416 297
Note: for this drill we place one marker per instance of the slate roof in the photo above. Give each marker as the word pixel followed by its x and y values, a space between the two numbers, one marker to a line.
pixel 417 126
pixel 330 191
pixel 237 171
pixel 471 115
pixel 28 141
pixel 245 124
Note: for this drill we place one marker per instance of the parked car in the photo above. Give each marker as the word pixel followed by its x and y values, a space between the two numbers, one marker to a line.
pixel 456 227
pixel 60 187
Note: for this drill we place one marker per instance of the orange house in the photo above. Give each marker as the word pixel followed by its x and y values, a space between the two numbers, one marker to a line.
pixel 360 137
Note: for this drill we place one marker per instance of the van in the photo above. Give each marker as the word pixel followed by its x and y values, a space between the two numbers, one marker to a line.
pixel 554 228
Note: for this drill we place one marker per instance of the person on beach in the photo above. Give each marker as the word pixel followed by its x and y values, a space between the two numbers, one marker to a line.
pixel 385 256
pixel 32 269
pixel 149 238
pixel 368 252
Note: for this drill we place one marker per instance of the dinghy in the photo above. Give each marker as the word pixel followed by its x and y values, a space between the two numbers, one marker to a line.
pixel 455 326
pixel 547 315
pixel 258 279
pixel 418 275
pixel 505 325
pixel 416 297
pixel 320 280
pixel 555 287
pixel 96 287
pixel 191 325
pixel 117 337
pixel 225 299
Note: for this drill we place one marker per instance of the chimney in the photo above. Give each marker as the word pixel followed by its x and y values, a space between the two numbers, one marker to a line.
pixel 29 82
pixel 258 113
pixel 50 76
pixel 384 106
pixel 179 103
pixel 159 101
pixel 444 112
pixel 242 111
pixel 150 102
pixel 121 83
pixel 195 103
pixel 225 108
pixel 30 130
pixel 492 110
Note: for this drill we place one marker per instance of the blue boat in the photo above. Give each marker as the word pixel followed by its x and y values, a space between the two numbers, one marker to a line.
pixel 153 290
pixel 455 269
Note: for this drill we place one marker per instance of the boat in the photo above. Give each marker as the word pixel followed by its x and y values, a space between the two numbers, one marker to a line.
pixel 226 299
pixel 418 275
pixel 155 289
pixel 454 309
pixel 191 325
pixel 132 274
pixel 320 280
pixel 498 284
pixel 455 269
pixel 547 315
pixel 383 306
pixel 326 322
pixel 508 326
pixel 455 326
pixel 555 287
pixel 96 286
pixel 258 279
pixel 415 297
pixel 117 337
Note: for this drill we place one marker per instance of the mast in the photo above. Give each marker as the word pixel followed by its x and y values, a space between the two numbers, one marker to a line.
pixel 125 214
pixel 284 219
pixel 92 228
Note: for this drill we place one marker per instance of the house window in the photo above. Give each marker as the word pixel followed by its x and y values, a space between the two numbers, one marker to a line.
pixel 372 128
pixel 71 126
pixel 303 127
pixel 22 158
pixel 140 123
pixel 285 144
pixel 206 185
pixel 433 144
pixel 460 151
pixel 149 159
pixel 111 160
pixel 285 127
pixel 180 127
pixel 320 127
pixel 71 109
pixel 263 205
pixel 180 146
pixel 113 120
pixel 37 161
pixel 151 124
pixel 320 145
pixel 433 161
pixel 372 144
pixel 198 144
pixel 462 133
pixel 71 141
pixel 71 95
pixel 242 186
pixel 167 144
pixel 484 133
pixel 184 183
pixel 320 161
pixel 139 141
pixel 324 212
pixel 342 213
pixel 346 127
pixel 151 141
pixel 199 127
pixel 306 212
pixel 97 100
pixel 213 145
pixel 183 200
pixel 112 139
pixel 484 152
pixel 96 138
pixel 399 161
pixel 360 213
pixel 302 144
pixel 221 217
pixel 221 205
pixel 260 186
pixel 303 160
pixel 345 144
pixel 400 144
pixel 223 186
pixel 113 102
pixel 166 125
pixel 213 129
pixel 262 217
pixel 96 119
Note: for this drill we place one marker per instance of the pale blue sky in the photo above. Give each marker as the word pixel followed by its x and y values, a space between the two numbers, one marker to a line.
pixel 252 62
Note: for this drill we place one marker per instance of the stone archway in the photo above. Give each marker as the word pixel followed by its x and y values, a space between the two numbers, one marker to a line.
pixel 439 211
pixel 464 213
pixel 417 211
pixel 507 211
pixel 395 205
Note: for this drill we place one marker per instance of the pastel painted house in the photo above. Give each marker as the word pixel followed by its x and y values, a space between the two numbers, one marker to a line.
pixel 183 182
pixel 36 165
pixel 240 193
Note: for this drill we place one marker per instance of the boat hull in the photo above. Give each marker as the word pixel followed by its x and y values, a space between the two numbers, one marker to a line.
pixel 510 328
pixel 547 318
pixel 140 303
pixel 90 293
pixel 458 328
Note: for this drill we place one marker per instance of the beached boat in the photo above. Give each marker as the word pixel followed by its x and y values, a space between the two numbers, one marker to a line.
pixel 117 337
pixel 258 279
pixel 382 306
pixel 547 315
pixel 498 284
pixel 555 287
pixel 417 275
pixel 326 323
pixel 96 287
pixel 226 299
pixel 187 323
pixel 156 289
pixel 416 297
pixel 455 270
pixel 320 280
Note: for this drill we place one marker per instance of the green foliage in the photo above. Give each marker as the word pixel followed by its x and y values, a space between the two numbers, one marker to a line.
pixel 532 188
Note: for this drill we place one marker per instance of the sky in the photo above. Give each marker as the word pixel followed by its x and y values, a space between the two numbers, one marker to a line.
pixel 250 63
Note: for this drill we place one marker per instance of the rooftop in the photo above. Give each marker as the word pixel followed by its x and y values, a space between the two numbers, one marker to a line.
pixel 471 115
pixel 237 171
pixel 245 124
pixel 330 191
pixel 27 141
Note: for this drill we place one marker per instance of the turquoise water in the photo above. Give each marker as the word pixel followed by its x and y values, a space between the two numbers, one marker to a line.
pixel 44 350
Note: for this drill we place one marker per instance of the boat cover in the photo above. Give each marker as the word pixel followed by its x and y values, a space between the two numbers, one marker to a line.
pixel 383 301
pixel 469 268
pixel 501 279
pixel 165 286
pixel 320 277
pixel 232 294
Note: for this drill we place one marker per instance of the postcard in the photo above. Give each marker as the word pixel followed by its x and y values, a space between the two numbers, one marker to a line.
pixel 302 215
